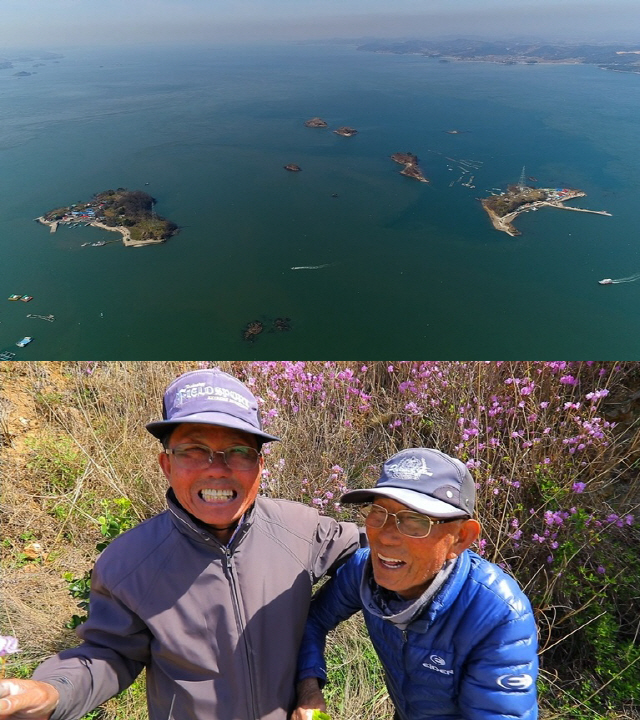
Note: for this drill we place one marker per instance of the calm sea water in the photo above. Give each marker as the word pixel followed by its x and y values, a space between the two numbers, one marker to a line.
pixel 412 269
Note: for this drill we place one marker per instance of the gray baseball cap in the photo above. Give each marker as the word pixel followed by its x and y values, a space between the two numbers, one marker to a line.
pixel 427 481
pixel 211 397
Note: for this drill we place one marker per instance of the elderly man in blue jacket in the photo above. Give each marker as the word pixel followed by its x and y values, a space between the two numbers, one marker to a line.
pixel 455 634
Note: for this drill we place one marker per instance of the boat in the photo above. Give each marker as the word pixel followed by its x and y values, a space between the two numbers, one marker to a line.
pixel 14 297
pixel 606 281
pixel 100 243
pixel 24 341
pixel 26 298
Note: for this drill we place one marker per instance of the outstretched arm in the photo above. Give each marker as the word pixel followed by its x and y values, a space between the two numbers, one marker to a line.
pixel 337 599
pixel 114 652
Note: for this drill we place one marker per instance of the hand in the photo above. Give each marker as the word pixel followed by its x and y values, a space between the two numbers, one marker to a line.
pixel 27 699
pixel 310 698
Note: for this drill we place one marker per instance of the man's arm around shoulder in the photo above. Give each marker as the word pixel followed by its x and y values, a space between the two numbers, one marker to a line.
pixel 334 543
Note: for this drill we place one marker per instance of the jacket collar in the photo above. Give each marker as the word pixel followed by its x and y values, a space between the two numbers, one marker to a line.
pixel 421 613
pixel 195 530
pixel 448 592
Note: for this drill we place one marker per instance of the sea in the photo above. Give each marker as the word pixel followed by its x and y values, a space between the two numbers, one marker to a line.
pixel 388 266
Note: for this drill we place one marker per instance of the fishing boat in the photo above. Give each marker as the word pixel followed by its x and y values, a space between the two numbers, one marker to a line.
pixel 24 341
pixel 606 281
pixel 26 298
pixel 14 297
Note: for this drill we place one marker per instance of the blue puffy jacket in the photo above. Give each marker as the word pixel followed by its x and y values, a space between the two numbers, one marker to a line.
pixel 470 654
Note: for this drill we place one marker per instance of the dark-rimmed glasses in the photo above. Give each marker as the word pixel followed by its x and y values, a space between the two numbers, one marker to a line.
pixel 200 457
pixel 409 523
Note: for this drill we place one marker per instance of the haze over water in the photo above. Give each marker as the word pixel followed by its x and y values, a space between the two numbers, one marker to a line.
pixel 413 269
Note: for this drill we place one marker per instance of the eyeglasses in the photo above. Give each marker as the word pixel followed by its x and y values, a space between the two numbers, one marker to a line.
pixel 411 524
pixel 201 457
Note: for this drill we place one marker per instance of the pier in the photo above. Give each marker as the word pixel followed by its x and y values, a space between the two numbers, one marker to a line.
pixel 568 207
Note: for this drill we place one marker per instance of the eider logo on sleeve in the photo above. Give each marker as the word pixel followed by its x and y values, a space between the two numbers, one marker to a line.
pixel 408 469
pixel 515 682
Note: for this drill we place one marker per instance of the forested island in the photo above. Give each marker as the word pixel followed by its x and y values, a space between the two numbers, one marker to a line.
pixel 622 57
pixel 129 212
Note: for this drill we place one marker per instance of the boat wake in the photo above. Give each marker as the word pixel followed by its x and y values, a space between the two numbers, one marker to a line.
pixel 310 267
pixel 615 281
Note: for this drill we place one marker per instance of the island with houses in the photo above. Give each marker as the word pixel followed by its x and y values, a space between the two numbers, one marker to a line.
pixel 503 208
pixel 129 212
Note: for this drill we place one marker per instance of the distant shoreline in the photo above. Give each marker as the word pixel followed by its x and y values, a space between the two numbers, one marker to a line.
pixel 619 57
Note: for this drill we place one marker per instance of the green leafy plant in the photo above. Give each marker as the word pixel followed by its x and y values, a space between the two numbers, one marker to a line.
pixel 118 517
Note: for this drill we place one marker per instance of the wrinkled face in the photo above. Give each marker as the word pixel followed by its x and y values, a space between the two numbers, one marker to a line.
pixel 407 565
pixel 233 490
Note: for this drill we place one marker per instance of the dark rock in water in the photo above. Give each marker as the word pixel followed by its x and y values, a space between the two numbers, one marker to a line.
pixel 316 122
pixel 282 323
pixel 346 131
pixel 254 328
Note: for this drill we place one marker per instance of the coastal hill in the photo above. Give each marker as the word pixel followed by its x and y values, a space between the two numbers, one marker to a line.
pixel 621 56
pixel 129 212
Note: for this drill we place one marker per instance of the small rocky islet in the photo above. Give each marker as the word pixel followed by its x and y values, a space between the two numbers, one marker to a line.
pixel 255 327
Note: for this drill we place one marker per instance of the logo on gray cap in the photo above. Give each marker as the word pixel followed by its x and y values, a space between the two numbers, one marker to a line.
pixel 408 468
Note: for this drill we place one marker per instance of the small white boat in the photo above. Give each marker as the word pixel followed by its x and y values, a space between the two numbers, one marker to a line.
pixel 606 281
pixel 24 341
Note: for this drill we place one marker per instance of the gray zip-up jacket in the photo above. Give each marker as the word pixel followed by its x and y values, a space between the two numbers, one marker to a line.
pixel 217 627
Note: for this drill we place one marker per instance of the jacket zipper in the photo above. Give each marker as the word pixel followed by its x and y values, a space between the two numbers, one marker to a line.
pixel 228 556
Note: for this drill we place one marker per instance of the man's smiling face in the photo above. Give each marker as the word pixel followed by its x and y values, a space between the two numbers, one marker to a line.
pixel 217 495
pixel 407 565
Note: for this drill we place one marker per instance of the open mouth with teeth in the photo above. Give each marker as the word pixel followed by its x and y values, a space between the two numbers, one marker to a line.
pixel 390 563
pixel 210 495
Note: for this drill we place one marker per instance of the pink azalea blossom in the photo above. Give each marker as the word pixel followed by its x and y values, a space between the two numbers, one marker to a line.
pixel 8 645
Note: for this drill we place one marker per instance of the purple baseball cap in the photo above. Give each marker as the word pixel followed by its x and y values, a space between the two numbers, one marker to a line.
pixel 211 397
pixel 427 481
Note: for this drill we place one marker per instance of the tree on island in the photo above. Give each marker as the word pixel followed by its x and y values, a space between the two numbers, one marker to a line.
pixel 514 197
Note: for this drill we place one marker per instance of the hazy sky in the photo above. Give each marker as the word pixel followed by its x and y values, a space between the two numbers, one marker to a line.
pixel 56 23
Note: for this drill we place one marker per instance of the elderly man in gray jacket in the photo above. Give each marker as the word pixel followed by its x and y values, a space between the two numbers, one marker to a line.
pixel 210 596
